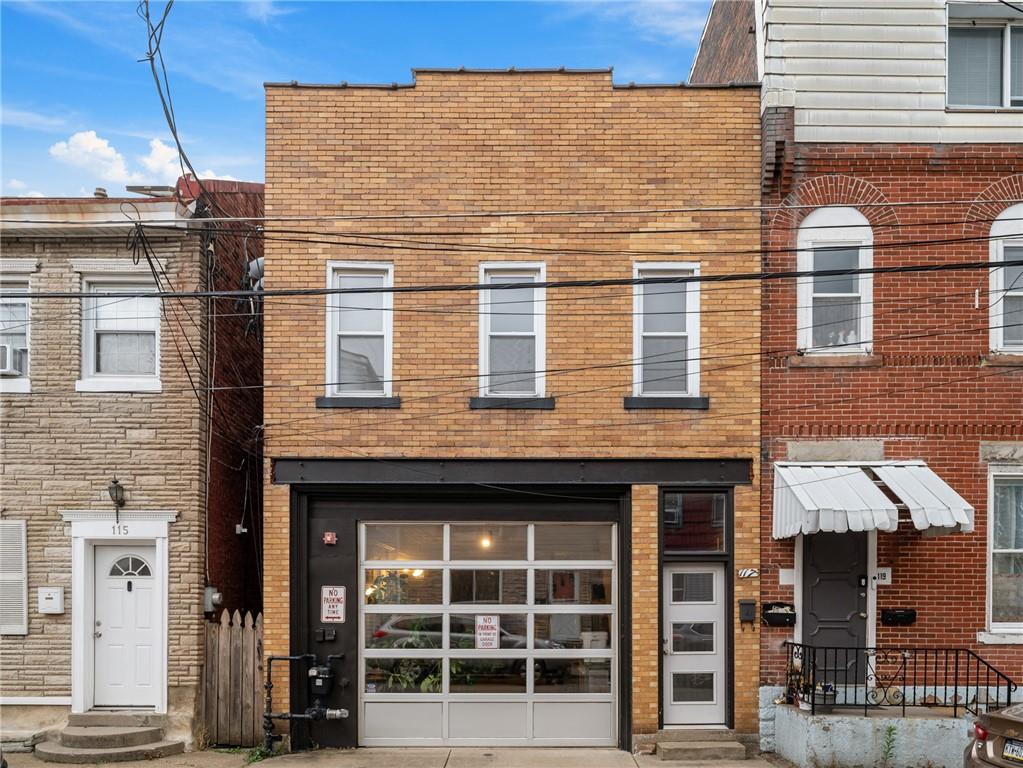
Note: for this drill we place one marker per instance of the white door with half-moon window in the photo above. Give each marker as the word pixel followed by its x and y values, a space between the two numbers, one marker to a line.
pixel 125 632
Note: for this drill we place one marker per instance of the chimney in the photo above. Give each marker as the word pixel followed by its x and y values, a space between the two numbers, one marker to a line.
pixel 100 192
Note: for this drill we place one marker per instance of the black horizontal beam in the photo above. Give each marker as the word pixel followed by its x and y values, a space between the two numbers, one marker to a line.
pixel 514 471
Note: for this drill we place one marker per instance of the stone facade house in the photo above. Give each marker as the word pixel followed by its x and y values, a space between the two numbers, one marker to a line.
pixel 131 398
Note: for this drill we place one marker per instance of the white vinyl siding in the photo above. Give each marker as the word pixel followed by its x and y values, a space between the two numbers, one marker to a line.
pixel 1005 538
pixel 869 71
pixel 512 330
pixel 13 578
pixel 359 337
pixel 1006 299
pixel 120 337
pixel 666 332
pixel 834 312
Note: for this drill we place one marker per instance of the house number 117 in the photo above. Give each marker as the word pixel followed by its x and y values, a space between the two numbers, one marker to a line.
pixel 119 530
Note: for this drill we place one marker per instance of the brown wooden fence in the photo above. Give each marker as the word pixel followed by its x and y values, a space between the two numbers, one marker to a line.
pixel 233 680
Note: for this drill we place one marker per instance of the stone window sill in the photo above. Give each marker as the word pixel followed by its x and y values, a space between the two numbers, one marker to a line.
pixel 514 403
pixel 118 384
pixel 986 110
pixel 20 385
pixel 834 361
pixel 1000 638
pixel 1007 359
pixel 358 402
pixel 667 403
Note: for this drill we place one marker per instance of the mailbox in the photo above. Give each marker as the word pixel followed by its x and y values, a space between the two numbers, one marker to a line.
pixel 898 617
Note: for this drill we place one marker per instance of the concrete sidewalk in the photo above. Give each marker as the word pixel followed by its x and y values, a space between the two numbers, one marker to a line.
pixel 420 758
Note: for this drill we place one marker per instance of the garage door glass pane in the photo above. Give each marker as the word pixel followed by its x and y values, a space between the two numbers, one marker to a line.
pixel 697 637
pixel 572 542
pixel 488 542
pixel 572 586
pixel 511 630
pixel 572 676
pixel 691 687
pixel 403 586
pixel 488 586
pixel 402 630
pixel 571 630
pixel 404 542
pixel 488 675
pixel 404 676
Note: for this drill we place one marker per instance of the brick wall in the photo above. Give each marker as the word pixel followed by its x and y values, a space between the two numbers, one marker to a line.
pixel 471 142
pixel 942 423
pixel 646 604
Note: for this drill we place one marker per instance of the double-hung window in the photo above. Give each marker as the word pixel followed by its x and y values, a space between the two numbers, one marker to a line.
pixel 666 332
pixel 834 311
pixel 359 338
pixel 985 60
pixel 14 339
pixel 512 358
pixel 1006 539
pixel 120 337
pixel 1006 300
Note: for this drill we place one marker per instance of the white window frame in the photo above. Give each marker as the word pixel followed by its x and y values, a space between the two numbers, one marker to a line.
pixel 336 269
pixel 91 380
pixel 834 227
pixel 23 383
pixel 1006 26
pixel 527 270
pixel 1004 231
pixel 692 332
pixel 998 472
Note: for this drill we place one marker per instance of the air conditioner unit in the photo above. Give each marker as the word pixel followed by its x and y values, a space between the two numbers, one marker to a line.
pixel 12 360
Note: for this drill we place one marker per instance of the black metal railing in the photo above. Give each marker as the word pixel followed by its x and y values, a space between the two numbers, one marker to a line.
pixel 820 678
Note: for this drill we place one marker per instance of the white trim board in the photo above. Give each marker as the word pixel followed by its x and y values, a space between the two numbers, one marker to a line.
pixel 35 701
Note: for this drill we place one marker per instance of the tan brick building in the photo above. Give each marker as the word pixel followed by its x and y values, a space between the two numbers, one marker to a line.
pixel 577 466
pixel 103 607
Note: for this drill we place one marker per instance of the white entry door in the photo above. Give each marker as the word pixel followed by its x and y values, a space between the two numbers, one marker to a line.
pixel 695 641
pixel 125 627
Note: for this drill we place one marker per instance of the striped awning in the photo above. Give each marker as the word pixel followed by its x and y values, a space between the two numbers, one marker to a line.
pixel 813 497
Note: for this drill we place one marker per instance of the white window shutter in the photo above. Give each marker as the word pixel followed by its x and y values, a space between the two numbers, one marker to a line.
pixel 13 578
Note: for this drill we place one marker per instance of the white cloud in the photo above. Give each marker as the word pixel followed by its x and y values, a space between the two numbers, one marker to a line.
pixel 32 193
pixel 264 10
pixel 16 184
pixel 162 162
pixel 208 174
pixel 23 118
pixel 675 22
pixel 94 154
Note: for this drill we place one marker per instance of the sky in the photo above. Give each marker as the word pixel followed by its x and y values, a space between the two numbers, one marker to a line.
pixel 79 111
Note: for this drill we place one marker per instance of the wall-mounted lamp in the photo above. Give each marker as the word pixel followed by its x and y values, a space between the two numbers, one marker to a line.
pixel 116 491
pixel 487 540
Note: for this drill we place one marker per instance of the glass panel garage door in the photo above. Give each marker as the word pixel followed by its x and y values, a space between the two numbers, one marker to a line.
pixel 488 634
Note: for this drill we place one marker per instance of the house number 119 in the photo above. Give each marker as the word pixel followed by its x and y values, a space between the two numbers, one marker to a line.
pixel 119 529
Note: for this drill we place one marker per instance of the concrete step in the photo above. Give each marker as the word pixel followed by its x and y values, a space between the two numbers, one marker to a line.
pixel 695 734
pixel 107 736
pixel 54 752
pixel 700 751
pixel 117 719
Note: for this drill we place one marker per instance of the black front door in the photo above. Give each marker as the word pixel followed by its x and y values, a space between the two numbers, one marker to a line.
pixel 835 603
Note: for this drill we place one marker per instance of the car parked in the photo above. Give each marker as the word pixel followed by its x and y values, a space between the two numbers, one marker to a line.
pixel 997 740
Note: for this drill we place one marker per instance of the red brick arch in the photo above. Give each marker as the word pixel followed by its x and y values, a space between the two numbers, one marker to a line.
pixel 834 189
pixel 980 215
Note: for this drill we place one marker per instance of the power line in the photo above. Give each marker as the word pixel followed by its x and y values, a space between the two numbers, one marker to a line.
pixel 600 282
pixel 576 212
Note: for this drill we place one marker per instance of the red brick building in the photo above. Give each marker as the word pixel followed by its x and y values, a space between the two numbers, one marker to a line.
pixel 892 423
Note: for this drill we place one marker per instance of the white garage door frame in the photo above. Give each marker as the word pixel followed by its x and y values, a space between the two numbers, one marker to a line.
pixel 548 711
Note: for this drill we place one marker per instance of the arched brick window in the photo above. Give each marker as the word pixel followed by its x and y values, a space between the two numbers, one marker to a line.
pixel 1006 298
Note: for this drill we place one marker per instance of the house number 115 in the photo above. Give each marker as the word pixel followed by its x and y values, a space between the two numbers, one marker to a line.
pixel 119 529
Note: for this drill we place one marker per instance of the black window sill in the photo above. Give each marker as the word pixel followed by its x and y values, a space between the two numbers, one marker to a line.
pixel 672 403
pixel 358 402
pixel 519 403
